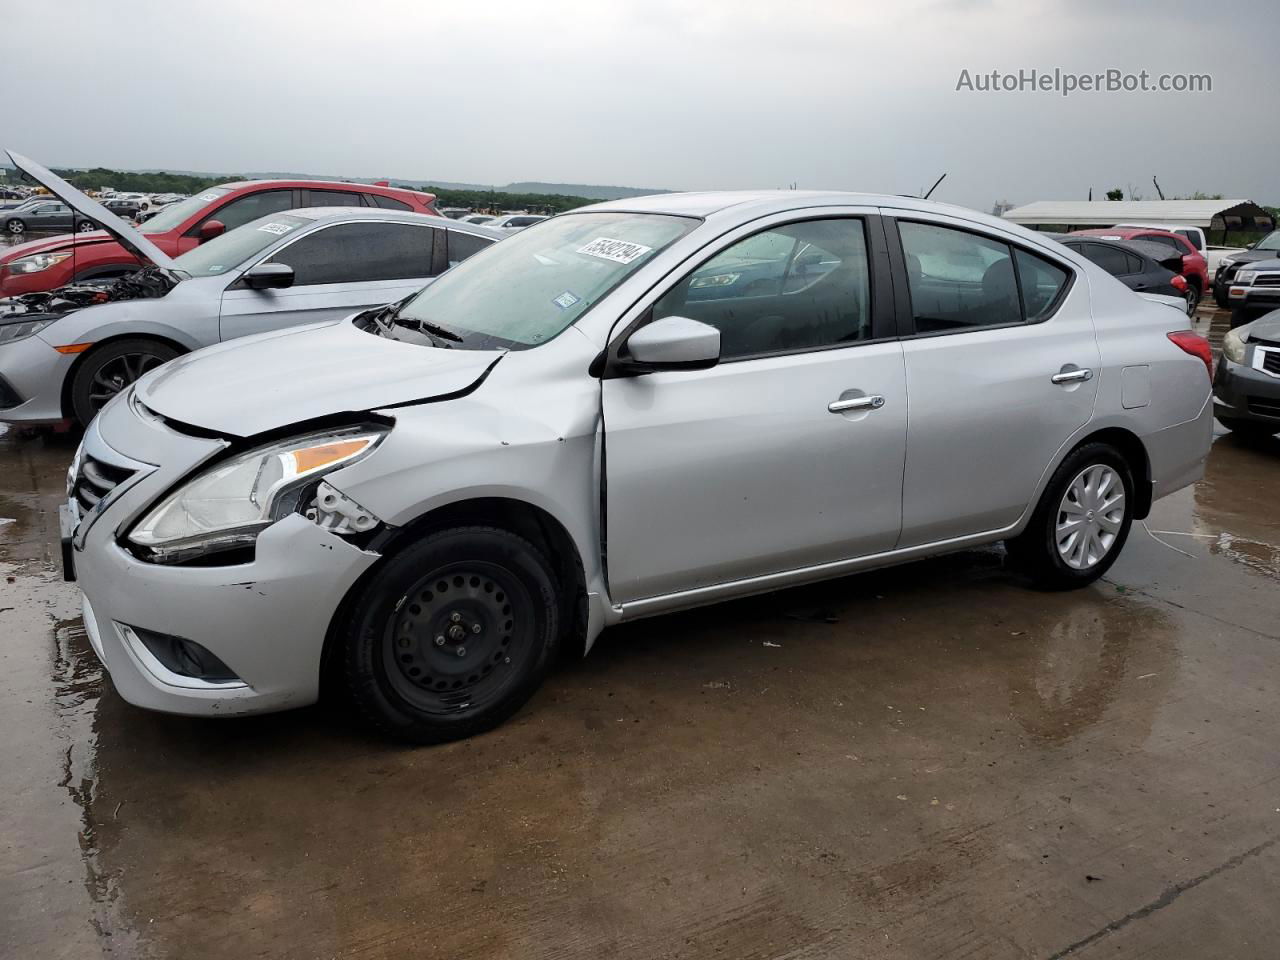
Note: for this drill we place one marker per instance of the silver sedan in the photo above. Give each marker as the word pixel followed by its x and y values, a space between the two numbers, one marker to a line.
pixel 637 407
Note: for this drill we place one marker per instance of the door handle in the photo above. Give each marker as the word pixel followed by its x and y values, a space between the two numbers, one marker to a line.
pixel 1072 376
pixel 874 402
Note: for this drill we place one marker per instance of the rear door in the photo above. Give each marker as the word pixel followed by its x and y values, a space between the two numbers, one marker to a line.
pixel 1001 368
pixel 338 269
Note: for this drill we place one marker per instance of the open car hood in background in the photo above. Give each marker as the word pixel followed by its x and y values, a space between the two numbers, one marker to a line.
pixel 127 236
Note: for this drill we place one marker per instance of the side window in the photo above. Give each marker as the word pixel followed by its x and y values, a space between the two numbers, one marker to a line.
pixel 360 252
pixel 334 198
pixel 243 209
pixel 796 287
pixel 1041 283
pixel 463 245
pixel 387 203
pixel 1133 264
pixel 1108 258
pixel 958 280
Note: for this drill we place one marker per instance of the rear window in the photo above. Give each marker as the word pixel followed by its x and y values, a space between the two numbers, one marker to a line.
pixel 387 203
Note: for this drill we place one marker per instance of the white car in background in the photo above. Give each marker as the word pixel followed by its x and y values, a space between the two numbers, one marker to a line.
pixel 510 223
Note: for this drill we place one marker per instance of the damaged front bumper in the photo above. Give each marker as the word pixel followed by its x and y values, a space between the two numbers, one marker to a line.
pixel 262 622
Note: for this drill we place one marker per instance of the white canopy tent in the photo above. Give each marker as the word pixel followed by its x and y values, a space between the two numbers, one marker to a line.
pixel 1229 216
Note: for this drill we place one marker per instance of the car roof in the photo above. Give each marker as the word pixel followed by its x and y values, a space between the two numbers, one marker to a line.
pixel 315 184
pixel 319 214
pixel 763 202
pixel 1126 233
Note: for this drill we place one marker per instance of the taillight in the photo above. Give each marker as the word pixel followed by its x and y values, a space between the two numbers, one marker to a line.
pixel 1195 345
pixel 1179 283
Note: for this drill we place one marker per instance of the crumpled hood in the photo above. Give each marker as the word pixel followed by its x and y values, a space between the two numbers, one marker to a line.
pixel 265 382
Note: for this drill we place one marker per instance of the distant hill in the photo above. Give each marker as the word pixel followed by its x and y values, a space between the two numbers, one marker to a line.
pixel 581 190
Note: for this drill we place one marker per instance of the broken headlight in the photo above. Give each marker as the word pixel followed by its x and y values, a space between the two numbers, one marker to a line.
pixel 228 505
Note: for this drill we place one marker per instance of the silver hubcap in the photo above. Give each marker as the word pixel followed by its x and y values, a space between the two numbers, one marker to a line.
pixel 1090 516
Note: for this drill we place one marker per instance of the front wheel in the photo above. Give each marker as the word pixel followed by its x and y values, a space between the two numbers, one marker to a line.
pixel 86 226
pixel 452 635
pixel 1081 522
pixel 15 228
pixel 108 370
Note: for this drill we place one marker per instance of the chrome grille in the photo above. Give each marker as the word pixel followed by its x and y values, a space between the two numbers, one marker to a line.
pixel 1267 280
pixel 1271 361
pixel 95 480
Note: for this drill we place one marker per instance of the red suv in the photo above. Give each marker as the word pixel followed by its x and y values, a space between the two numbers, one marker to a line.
pixel 40 265
pixel 1195 269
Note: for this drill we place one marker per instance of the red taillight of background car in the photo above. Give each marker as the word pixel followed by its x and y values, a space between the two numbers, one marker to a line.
pixel 1195 345
pixel 1179 283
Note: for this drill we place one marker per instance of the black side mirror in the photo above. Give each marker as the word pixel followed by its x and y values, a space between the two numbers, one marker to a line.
pixel 268 276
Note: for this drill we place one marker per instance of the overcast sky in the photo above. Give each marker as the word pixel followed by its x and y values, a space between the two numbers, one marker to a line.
pixel 683 95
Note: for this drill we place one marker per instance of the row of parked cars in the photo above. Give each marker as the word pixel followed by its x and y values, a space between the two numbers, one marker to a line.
pixel 426 500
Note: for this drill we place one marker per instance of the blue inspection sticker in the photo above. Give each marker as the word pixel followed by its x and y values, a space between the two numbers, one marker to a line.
pixel 565 300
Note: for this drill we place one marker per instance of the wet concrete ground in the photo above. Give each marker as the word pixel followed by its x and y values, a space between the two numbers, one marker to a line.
pixel 933 761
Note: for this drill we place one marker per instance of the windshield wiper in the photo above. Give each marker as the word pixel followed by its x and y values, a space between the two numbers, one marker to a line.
pixel 425 326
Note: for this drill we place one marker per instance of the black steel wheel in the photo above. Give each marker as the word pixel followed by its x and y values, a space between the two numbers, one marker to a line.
pixel 106 371
pixel 452 634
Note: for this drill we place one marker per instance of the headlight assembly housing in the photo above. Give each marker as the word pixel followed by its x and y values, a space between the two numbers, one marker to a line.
pixel 37 262
pixel 1233 345
pixel 17 330
pixel 226 506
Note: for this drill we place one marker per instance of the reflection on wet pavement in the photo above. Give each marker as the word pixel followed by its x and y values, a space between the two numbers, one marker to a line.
pixel 928 761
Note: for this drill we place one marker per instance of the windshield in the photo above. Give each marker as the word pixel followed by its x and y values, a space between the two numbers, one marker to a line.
pixel 173 214
pixel 525 290
pixel 1270 242
pixel 217 256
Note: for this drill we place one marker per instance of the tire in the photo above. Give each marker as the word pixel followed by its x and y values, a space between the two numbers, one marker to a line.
pixel 1248 429
pixel 1076 565
pixel 1192 296
pixel 1220 298
pixel 86 226
pixel 106 371
pixel 451 635
pixel 15 227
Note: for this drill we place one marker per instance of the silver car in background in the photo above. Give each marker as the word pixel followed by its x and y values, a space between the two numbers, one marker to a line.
pixel 633 408
pixel 61 359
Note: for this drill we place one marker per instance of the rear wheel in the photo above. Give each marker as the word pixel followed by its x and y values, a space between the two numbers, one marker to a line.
pixel 452 635
pixel 1192 297
pixel 1081 522
pixel 106 371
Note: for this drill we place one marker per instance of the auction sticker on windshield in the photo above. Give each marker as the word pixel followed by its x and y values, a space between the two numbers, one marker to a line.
pixel 619 251
pixel 279 229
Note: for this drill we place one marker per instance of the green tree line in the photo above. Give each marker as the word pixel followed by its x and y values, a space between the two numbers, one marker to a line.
pixel 186 183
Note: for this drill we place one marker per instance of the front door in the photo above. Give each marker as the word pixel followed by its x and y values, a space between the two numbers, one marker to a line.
pixel 787 454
